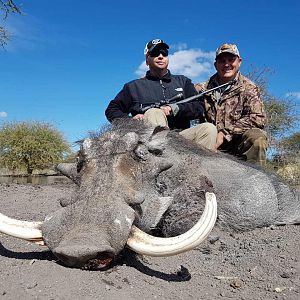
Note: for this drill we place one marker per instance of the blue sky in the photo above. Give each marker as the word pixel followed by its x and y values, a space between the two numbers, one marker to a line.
pixel 67 59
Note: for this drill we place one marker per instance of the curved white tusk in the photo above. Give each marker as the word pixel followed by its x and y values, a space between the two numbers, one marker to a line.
pixel 30 231
pixel 146 244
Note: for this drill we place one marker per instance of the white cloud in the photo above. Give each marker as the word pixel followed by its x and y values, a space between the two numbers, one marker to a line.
pixel 179 46
pixel 193 63
pixel 142 69
pixel 293 94
pixel 3 114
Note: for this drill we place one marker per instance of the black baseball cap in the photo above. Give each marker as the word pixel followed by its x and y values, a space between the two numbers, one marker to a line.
pixel 151 45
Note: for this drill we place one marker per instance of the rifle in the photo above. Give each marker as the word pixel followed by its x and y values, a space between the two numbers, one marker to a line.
pixel 180 96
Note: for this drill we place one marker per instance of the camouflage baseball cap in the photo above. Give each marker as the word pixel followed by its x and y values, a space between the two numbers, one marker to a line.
pixel 228 48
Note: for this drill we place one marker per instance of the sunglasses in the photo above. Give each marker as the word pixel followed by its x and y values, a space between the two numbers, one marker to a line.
pixel 157 52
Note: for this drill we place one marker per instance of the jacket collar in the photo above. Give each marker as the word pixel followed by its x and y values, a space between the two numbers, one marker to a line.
pixel 213 82
pixel 234 89
pixel 166 77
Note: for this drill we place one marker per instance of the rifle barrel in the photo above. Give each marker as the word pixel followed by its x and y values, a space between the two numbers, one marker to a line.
pixel 205 92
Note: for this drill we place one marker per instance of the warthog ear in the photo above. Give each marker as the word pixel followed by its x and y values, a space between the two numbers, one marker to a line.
pixel 158 140
pixel 158 129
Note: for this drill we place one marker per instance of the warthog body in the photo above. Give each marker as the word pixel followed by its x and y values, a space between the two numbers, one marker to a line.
pixel 157 180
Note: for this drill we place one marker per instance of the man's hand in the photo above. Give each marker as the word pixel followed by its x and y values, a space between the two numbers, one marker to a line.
pixel 138 117
pixel 167 110
pixel 220 139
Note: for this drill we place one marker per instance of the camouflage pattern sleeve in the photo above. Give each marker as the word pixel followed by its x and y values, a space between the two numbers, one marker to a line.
pixel 253 113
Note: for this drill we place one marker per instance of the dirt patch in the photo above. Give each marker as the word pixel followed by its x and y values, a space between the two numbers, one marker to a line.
pixel 261 264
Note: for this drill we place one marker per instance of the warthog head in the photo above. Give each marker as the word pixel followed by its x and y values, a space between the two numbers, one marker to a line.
pixel 127 186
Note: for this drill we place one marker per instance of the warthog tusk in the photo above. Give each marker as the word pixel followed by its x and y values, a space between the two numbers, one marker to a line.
pixel 146 244
pixel 30 231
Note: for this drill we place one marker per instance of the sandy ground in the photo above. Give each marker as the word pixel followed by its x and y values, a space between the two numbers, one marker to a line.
pixel 261 264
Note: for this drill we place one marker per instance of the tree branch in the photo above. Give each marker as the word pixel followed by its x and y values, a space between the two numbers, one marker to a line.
pixel 7 7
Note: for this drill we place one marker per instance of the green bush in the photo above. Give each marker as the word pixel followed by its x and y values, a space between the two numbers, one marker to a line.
pixel 31 145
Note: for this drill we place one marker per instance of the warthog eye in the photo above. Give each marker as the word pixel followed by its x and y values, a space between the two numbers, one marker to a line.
pixel 79 164
pixel 156 152
pixel 80 159
pixel 141 152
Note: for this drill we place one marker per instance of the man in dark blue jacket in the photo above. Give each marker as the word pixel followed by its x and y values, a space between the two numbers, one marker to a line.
pixel 159 84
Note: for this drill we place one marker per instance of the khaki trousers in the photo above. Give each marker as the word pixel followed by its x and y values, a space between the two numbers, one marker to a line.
pixel 251 146
pixel 204 134
pixel 156 117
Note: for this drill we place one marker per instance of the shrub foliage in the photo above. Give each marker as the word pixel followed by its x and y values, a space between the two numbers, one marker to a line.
pixel 31 145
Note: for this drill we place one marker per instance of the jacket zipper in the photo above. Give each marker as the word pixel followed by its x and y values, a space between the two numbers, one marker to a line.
pixel 163 88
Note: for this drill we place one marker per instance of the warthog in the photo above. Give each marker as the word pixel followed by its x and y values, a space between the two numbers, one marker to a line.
pixel 154 191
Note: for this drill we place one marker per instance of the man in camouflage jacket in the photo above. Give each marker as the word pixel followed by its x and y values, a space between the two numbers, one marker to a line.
pixel 237 110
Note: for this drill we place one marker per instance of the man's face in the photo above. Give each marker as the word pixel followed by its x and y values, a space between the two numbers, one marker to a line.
pixel 158 59
pixel 227 66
